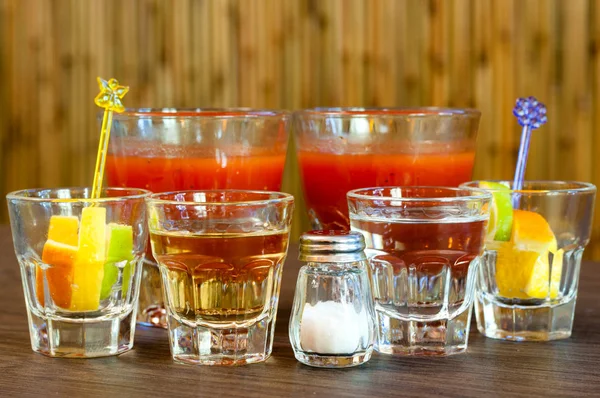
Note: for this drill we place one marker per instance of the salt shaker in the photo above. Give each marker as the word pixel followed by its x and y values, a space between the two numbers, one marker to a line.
pixel 333 320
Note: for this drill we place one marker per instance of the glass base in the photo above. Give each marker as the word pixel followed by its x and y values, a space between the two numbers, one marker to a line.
pixel 84 339
pixel 499 320
pixel 333 361
pixel 435 337
pixel 200 345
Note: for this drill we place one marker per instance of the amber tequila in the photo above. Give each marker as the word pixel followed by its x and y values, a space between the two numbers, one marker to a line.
pixel 221 270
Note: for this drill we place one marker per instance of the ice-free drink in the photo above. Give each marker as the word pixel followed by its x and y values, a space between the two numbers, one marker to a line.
pixel 424 246
pixel 220 278
pixel 166 150
pixel 327 177
pixel 220 254
pixel 422 268
pixel 341 149
pixel 195 169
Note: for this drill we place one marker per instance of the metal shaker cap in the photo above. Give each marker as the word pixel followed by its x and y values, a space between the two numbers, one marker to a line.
pixel 333 246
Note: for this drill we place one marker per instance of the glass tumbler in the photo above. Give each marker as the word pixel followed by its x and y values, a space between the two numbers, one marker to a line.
pixel 333 321
pixel 220 255
pixel 340 149
pixel 527 284
pixel 424 246
pixel 80 262
pixel 185 149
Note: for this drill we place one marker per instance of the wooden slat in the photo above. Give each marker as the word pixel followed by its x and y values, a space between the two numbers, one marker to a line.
pixel 576 133
pixel 353 52
pixel 534 76
pixel 593 250
pixel 487 149
pixel 247 59
pixel 223 54
pixel 5 110
pixel 414 83
pixel 51 136
pixel 506 135
pixel 460 21
pixel 438 51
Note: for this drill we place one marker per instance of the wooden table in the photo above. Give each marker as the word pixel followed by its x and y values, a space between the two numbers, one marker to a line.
pixel 492 368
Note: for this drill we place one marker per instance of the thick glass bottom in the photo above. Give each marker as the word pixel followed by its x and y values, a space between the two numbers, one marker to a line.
pixel 214 345
pixel 333 361
pixel 423 337
pixel 87 338
pixel 499 320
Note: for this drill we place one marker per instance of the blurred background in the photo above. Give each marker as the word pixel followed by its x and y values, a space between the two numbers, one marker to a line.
pixel 296 54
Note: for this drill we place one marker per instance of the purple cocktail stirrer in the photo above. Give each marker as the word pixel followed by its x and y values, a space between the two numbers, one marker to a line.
pixel 531 114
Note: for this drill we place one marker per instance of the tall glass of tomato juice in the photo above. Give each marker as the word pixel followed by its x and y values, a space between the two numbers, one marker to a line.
pixel 341 149
pixel 193 149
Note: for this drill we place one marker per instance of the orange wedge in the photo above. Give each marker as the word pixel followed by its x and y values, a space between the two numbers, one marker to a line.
pixel 529 265
pixel 58 256
pixel 59 274
pixel 530 229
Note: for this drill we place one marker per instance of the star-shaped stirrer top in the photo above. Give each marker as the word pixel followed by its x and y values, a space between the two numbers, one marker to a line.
pixel 111 94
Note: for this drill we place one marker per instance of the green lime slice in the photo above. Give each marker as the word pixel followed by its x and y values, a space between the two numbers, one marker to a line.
pixel 501 215
pixel 120 248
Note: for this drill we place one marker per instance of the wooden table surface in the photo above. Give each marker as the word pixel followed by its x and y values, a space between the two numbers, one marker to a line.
pixel 491 368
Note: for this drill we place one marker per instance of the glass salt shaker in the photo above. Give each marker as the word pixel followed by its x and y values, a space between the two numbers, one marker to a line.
pixel 333 320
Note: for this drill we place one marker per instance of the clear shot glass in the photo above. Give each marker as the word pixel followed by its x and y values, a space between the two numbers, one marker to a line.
pixel 527 283
pixel 221 255
pixel 424 245
pixel 80 262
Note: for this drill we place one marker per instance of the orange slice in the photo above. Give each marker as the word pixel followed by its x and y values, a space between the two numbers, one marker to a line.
pixel 59 274
pixel 529 265
pixel 62 239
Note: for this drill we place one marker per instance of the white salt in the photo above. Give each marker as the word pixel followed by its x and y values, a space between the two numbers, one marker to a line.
pixel 331 327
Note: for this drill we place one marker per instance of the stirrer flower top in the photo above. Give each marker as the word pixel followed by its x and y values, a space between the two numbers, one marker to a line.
pixel 111 94
pixel 531 114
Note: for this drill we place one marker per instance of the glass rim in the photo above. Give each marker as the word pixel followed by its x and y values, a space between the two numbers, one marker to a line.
pixel 282 197
pixel 577 187
pixel 19 195
pixel 239 113
pixel 474 194
pixel 390 112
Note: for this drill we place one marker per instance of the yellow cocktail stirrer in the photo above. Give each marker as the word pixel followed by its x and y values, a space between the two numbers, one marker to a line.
pixel 110 99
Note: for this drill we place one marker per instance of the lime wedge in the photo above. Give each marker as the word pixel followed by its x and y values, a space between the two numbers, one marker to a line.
pixel 120 248
pixel 501 215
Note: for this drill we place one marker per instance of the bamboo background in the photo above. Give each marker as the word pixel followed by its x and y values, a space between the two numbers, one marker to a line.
pixel 296 54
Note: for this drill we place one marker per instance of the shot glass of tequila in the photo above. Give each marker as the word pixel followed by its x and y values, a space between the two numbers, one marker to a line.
pixel 528 279
pixel 340 149
pixel 220 254
pixel 80 262
pixel 424 246
pixel 168 149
